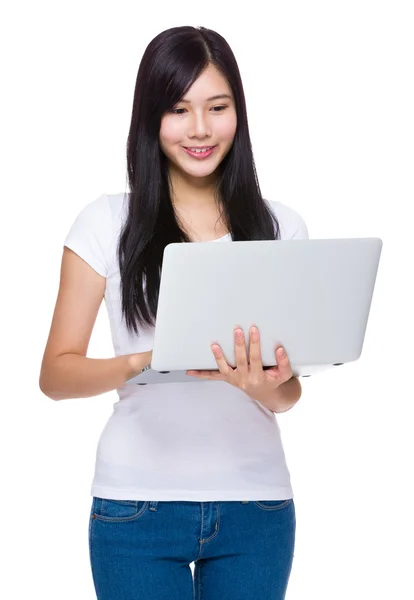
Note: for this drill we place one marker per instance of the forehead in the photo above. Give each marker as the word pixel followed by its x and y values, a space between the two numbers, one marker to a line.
pixel 211 81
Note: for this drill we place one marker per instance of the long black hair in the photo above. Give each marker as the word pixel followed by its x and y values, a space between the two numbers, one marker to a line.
pixel 172 61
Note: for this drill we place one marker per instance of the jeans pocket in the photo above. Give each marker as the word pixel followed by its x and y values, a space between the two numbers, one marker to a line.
pixel 118 511
pixel 272 504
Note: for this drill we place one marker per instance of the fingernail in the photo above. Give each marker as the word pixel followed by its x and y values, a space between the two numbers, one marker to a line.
pixel 281 352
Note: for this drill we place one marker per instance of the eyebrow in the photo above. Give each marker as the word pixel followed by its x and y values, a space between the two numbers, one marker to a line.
pixel 216 97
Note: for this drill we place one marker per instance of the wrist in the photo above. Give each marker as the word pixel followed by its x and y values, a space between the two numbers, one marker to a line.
pixel 284 397
pixel 136 362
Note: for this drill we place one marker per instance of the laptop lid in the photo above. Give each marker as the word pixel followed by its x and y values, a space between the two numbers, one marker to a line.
pixel 311 296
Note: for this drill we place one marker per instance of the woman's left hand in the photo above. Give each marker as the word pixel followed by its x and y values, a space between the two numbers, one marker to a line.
pixel 256 382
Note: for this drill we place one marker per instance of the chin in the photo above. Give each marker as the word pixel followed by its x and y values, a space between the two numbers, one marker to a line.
pixel 197 170
pixel 201 173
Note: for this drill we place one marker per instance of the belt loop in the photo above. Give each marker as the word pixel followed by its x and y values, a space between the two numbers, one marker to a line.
pixel 153 504
pixel 244 501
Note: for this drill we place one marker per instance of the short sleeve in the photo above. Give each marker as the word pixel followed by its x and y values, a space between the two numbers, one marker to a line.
pixel 89 235
pixel 300 230
pixel 292 224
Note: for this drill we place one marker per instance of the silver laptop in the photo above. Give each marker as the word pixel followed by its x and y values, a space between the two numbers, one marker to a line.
pixel 311 296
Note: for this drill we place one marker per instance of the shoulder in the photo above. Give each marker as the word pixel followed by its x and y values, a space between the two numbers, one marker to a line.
pixel 291 223
pixel 118 205
pixel 93 233
pixel 93 216
pixel 109 212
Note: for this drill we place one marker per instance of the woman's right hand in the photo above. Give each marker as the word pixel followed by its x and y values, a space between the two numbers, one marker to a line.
pixel 138 361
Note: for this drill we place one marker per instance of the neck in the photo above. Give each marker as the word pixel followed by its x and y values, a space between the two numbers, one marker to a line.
pixel 192 192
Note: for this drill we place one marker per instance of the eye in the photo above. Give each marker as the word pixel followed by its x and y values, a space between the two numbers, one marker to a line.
pixel 174 110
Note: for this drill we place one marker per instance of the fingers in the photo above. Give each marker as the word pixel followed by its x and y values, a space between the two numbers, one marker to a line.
pixel 240 352
pixel 283 363
pixel 282 372
pixel 255 356
pixel 204 374
pixel 242 364
pixel 224 368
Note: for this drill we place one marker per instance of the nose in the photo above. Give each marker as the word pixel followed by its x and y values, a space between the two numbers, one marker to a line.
pixel 200 126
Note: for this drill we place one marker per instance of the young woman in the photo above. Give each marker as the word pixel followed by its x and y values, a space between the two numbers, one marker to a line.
pixel 185 473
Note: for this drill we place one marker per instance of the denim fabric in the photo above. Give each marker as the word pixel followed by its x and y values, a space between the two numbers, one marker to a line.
pixel 142 550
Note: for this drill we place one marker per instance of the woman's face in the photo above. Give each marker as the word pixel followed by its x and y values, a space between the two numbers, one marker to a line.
pixel 199 121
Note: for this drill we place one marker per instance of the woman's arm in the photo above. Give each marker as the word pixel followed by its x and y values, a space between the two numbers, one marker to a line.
pixel 66 372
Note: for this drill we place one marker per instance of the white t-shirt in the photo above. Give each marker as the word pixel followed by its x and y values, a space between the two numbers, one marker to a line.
pixel 202 441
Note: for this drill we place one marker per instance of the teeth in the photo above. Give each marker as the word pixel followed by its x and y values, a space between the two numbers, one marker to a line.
pixel 198 150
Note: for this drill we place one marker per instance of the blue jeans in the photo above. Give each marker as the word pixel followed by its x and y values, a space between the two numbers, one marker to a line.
pixel 142 550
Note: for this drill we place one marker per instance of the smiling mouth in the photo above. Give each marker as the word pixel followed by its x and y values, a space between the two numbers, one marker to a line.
pixel 199 152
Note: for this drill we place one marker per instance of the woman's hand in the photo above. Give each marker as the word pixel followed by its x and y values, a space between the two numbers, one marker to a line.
pixel 256 382
pixel 137 361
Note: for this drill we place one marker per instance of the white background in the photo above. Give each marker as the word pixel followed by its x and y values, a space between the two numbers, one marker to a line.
pixel 329 90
